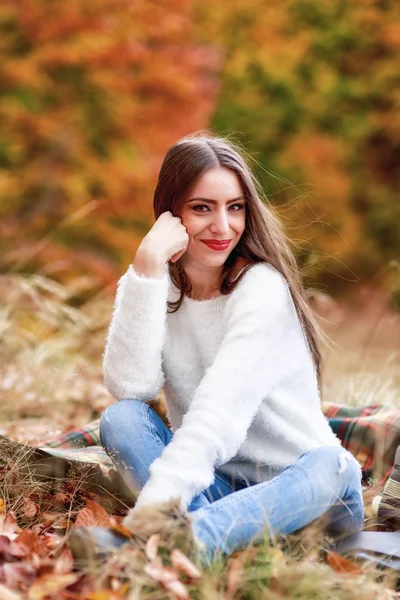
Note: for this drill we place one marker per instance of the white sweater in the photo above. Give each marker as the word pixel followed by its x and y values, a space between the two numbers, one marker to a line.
pixel 238 378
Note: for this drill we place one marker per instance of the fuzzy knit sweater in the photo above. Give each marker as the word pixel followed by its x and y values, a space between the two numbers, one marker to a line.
pixel 238 378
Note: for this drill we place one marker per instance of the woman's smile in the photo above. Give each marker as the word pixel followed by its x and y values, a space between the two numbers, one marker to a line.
pixel 216 245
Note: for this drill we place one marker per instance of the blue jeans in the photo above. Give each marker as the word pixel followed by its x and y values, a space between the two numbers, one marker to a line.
pixel 231 514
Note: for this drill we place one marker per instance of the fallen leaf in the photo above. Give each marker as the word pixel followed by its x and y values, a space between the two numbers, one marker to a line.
pixel 342 565
pixel 61 498
pixel 80 588
pixel 52 540
pixel 58 522
pixel 101 595
pixel 50 585
pixel 18 573
pixel 178 588
pixel 109 594
pixel 181 562
pixel 152 546
pixel 30 509
pixel 277 586
pixel 49 517
pixel 158 571
pixel 65 562
pixel 168 578
pixel 92 514
pixel 234 577
pixel 5 551
pixel 9 526
pixel 38 528
pixel 2 506
pixel 6 594
pixel 120 528
pixel 28 543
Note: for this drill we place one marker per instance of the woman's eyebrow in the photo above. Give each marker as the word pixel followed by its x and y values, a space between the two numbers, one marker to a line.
pixel 215 201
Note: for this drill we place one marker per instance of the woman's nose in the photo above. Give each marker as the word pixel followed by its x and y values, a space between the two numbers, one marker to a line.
pixel 221 222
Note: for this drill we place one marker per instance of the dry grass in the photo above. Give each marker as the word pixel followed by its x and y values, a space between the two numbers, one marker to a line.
pixel 362 356
pixel 51 379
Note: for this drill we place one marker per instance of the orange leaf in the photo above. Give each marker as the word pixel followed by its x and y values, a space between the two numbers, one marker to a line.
pixel 16 574
pixel 168 578
pixel 121 530
pixel 235 572
pixel 8 526
pixel 181 562
pixel 52 540
pixel 109 594
pixel 92 514
pixel 30 509
pixel 65 562
pixel 28 543
pixel 6 594
pixel 116 525
pixel 342 565
pixel 178 588
pixel 50 585
pixel 61 498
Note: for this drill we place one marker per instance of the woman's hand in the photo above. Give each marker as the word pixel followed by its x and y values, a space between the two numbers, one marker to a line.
pixel 165 518
pixel 167 239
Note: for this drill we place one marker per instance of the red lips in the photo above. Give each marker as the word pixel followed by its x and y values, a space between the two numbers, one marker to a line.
pixel 216 241
pixel 217 244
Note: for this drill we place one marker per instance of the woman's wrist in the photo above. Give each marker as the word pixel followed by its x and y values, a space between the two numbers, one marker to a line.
pixel 148 263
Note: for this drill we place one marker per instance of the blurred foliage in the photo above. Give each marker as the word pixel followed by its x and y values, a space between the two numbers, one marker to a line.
pixel 92 94
pixel 312 88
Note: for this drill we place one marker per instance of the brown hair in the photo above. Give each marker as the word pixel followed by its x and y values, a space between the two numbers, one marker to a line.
pixel 263 239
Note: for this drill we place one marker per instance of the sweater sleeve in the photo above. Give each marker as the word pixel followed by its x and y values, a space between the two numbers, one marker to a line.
pixel 132 354
pixel 248 364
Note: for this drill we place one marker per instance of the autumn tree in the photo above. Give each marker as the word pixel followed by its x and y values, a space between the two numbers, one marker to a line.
pixel 312 89
pixel 91 95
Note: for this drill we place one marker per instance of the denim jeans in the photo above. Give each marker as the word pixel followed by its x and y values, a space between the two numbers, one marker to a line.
pixel 231 514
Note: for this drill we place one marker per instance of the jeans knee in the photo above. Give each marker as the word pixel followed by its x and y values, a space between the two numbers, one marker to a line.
pixel 116 417
pixel 341 459
pixel 338 463
pixel 347 463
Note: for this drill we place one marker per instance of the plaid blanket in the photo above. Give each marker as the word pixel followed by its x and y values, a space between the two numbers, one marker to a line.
pixel 370 433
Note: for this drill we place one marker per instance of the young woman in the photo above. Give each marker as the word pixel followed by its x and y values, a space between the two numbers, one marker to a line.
pixel 212 309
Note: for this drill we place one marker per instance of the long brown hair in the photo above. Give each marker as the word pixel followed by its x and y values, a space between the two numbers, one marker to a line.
pixel 263 239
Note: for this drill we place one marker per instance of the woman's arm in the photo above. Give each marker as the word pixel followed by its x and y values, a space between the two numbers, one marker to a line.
pixel 252 359
pixel 132 354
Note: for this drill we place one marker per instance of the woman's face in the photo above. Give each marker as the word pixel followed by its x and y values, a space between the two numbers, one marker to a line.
pixel 214 211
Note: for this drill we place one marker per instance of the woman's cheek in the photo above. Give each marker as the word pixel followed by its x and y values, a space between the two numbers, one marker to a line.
pixel 191 228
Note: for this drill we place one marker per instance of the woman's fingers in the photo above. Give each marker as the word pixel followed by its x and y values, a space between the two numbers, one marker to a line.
pixel 177 256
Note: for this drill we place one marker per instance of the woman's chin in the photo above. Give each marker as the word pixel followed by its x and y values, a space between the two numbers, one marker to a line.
pixel 214 261
pixel 209 260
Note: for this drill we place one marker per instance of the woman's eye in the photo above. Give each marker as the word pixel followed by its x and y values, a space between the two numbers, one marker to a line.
pixel 198 207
